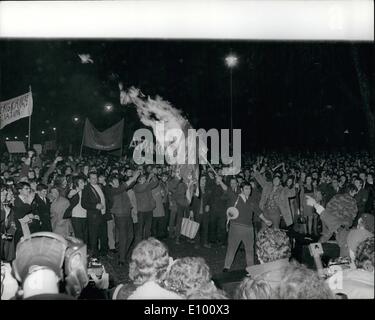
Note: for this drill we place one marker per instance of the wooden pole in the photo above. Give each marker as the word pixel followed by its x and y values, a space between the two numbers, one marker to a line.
pixel 122 140
pixel 29 132
pixel 83 136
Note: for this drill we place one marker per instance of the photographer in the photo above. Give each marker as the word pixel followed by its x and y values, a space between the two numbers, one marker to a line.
pixel 26 221
pixel 7 225
pixel 50 267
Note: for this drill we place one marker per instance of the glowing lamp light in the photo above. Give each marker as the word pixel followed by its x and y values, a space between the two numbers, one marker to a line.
pixel 108 107
pixel 15 138
pixel 27 136
pixel 75 119
pixel 54 129
pixel 231 61
pixel 7 138
pixel 43 132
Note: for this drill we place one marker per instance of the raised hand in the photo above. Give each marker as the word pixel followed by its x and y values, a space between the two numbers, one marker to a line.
pixel 310 201
pixel 58 159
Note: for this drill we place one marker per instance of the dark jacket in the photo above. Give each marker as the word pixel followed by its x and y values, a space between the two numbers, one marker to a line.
pixel 204 199
pixel 143 194
pixel 90 198
pixel 119 200
pixel 361 197
pixel 246 212
pixel 231 196
pixel 7 226
pixel 219 202
pixel 43 210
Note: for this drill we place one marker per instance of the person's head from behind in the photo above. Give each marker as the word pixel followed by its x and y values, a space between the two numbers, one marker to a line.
pixel 149 261
pixel 42 190
pixel 208 292
pixel 299 282
pixel 250 289
pixel 93 178
pixel 272 245
pixel 187 275
pixel 364 256
pixel 40 280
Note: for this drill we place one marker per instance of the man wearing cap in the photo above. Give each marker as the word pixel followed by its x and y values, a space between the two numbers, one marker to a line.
pixel 241 227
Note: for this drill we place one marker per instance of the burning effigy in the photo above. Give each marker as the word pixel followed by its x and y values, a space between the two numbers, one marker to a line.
pixel 157 113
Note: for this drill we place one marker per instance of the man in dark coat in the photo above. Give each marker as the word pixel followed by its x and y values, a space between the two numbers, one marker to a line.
pixel 42 206
pixel 93 200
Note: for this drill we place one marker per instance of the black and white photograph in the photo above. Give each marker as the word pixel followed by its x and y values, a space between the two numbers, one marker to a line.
pixel 187 154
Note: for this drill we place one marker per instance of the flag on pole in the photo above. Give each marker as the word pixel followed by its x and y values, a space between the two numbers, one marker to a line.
pixel 15 109
pixel 109 139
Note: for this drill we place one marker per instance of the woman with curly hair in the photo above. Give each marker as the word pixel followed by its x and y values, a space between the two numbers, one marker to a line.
pixel 188 276
pixel 299 282
pixel 149 263
pixel 273 250
pixel 250 289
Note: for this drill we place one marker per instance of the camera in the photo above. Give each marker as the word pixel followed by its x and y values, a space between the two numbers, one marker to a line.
pixel 95 268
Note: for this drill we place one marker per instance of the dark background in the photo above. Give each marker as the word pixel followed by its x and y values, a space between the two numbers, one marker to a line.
pixel 296 95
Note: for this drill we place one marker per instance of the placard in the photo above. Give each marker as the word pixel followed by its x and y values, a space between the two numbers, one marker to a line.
pixel 15 146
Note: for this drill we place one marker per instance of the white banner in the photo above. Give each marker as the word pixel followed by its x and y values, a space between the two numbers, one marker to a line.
pixel 16 108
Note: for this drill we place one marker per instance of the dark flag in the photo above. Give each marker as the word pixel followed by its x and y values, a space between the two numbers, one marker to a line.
pixel 109 139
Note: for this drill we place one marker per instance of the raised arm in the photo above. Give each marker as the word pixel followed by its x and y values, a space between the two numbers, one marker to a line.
pixel 51 169
pixel 259 178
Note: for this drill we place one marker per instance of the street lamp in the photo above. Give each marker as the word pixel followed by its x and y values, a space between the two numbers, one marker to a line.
pixel 75 119
pixel 43 132
pixel 231 61
pixel 108 107
pixel 54 129
pixel 15 138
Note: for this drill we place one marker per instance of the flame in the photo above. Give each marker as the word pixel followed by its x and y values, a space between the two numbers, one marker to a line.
pixel 154 112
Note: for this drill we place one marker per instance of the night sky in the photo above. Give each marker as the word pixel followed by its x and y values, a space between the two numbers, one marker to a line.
pixel 285 94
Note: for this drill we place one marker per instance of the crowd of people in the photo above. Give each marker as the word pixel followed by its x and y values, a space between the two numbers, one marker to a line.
pixel 122 209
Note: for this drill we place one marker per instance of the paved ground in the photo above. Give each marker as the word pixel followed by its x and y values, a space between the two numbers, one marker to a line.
pixel 214 258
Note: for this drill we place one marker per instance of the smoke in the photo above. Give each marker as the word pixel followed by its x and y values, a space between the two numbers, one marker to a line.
pixel 157 113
